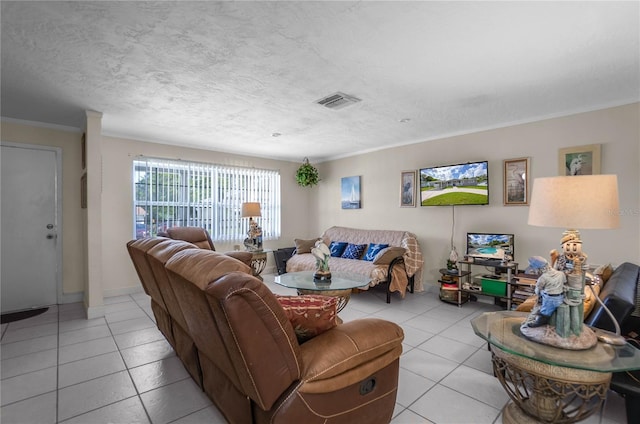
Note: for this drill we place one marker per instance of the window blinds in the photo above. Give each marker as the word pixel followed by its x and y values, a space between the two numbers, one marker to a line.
pixel 171 193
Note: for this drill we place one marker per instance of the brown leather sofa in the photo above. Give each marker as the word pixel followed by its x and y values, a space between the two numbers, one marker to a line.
pixel 251 364
pixel 201 238
pixel 138 252
pixel 149 257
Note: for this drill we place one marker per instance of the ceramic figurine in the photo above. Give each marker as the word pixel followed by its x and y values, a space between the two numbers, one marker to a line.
pixel 549 288
pixel 322 254
pixel 453 259
pixel 253 242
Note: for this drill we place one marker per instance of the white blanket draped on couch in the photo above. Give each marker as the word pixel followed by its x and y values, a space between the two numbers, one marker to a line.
pixel 410 267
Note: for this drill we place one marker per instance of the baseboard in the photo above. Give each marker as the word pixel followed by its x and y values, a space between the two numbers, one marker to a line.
pixel 95 311
pixel 71 297
pixel 122 291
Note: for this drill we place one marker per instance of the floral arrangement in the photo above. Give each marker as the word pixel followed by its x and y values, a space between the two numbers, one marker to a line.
pixel 322 255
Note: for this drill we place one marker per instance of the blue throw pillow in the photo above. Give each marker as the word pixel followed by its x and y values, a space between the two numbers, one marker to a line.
pixel 337 248
pixel 373 250
pixel 354 251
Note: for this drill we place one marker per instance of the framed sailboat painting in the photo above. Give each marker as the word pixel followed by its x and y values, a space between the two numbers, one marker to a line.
pixel 350 192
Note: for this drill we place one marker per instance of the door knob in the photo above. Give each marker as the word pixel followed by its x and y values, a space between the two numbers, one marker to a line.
pixel 49 226
pixel 50 236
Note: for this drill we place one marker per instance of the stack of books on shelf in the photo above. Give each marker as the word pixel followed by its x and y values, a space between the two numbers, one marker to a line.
pixel 524 289
pixel 449 286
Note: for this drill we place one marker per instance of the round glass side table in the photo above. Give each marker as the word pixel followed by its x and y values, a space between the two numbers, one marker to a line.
pixel 548 384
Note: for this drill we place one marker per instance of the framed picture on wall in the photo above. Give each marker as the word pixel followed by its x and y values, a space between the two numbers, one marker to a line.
pixel 408 189
pixel 579 160
pixel 516 181
pixel 350 192
pixel 83 143
pixel 83 191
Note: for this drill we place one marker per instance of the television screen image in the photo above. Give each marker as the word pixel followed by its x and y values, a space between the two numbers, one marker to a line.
pixel 490 246
pixel 463 184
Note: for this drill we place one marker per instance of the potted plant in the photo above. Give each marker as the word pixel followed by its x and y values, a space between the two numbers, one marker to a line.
pixel 307 174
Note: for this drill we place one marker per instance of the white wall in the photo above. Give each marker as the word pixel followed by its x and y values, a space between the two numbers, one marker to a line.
pixel 617 129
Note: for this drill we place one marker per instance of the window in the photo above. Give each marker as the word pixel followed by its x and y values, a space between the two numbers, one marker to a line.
pixel 175 193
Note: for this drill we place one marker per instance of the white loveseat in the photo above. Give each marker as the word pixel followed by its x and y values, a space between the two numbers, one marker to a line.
pixel 398 268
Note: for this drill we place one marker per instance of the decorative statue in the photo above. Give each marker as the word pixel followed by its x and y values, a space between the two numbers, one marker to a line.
pixel 453 260
pixel 557 319
pixel 322 255
pixel 571 254
pixel 253 242
pixel 549 288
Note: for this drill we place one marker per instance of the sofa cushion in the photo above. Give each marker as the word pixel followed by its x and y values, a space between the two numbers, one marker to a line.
pixel 353 251
pixel 589 297
pixel 373 250
pixel 305 246
pixel 337 248
pixel 604 271
pixel 309 314
pixel 385 256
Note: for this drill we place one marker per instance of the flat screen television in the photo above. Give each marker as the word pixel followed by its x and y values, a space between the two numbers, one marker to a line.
pixel 450 185
pixel 490 247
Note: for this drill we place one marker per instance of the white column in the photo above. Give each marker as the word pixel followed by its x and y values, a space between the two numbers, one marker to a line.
pixel 93 293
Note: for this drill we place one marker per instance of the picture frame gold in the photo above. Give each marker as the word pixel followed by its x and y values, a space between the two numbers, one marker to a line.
pixel 579 160
pixel 516 174
pixel 408 189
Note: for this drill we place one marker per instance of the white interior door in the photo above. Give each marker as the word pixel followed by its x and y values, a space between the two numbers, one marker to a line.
pixel 29 227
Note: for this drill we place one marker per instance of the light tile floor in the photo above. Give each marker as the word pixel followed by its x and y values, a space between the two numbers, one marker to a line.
pixel 61 368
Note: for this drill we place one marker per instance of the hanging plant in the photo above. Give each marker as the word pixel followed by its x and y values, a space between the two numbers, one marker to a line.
pixel 307 174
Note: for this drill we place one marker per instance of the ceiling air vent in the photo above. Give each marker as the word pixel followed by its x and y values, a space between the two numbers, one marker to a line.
pixel 337 100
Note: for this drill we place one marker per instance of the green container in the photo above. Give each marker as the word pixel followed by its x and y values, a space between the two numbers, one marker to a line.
pixel 495 287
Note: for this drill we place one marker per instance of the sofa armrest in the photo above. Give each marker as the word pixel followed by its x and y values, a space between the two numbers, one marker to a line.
pixel 349 353
pixel 244 257
pixel 619 295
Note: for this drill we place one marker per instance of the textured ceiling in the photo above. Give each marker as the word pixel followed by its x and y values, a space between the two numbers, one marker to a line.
pixel 228 75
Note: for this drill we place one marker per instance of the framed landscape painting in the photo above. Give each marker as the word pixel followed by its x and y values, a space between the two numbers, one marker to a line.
pixel 350 192
pixel 516 181
pixel 579 160
pixel 408 189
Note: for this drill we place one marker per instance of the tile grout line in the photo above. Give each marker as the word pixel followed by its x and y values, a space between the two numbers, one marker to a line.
pixel 58 369
pixel 137 392
pixel 135 387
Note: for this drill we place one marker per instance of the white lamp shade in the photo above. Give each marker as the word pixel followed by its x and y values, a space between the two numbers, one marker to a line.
pixel 577 202
pixel 251 209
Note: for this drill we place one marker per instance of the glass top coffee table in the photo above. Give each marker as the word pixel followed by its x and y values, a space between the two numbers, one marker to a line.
pixel 545 383
pixel 341 285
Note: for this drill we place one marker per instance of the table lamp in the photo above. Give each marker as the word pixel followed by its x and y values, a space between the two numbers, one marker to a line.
pixel 251 210
pixel 573 202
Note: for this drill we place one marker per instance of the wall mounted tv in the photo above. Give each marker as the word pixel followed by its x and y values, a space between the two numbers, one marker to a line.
pixel 450 185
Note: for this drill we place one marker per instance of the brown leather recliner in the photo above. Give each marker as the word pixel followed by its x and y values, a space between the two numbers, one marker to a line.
pixel 220 380
pixel 183 344
pixel 138 252
pixel 259 371
pixel 201 238
pixel 149 256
